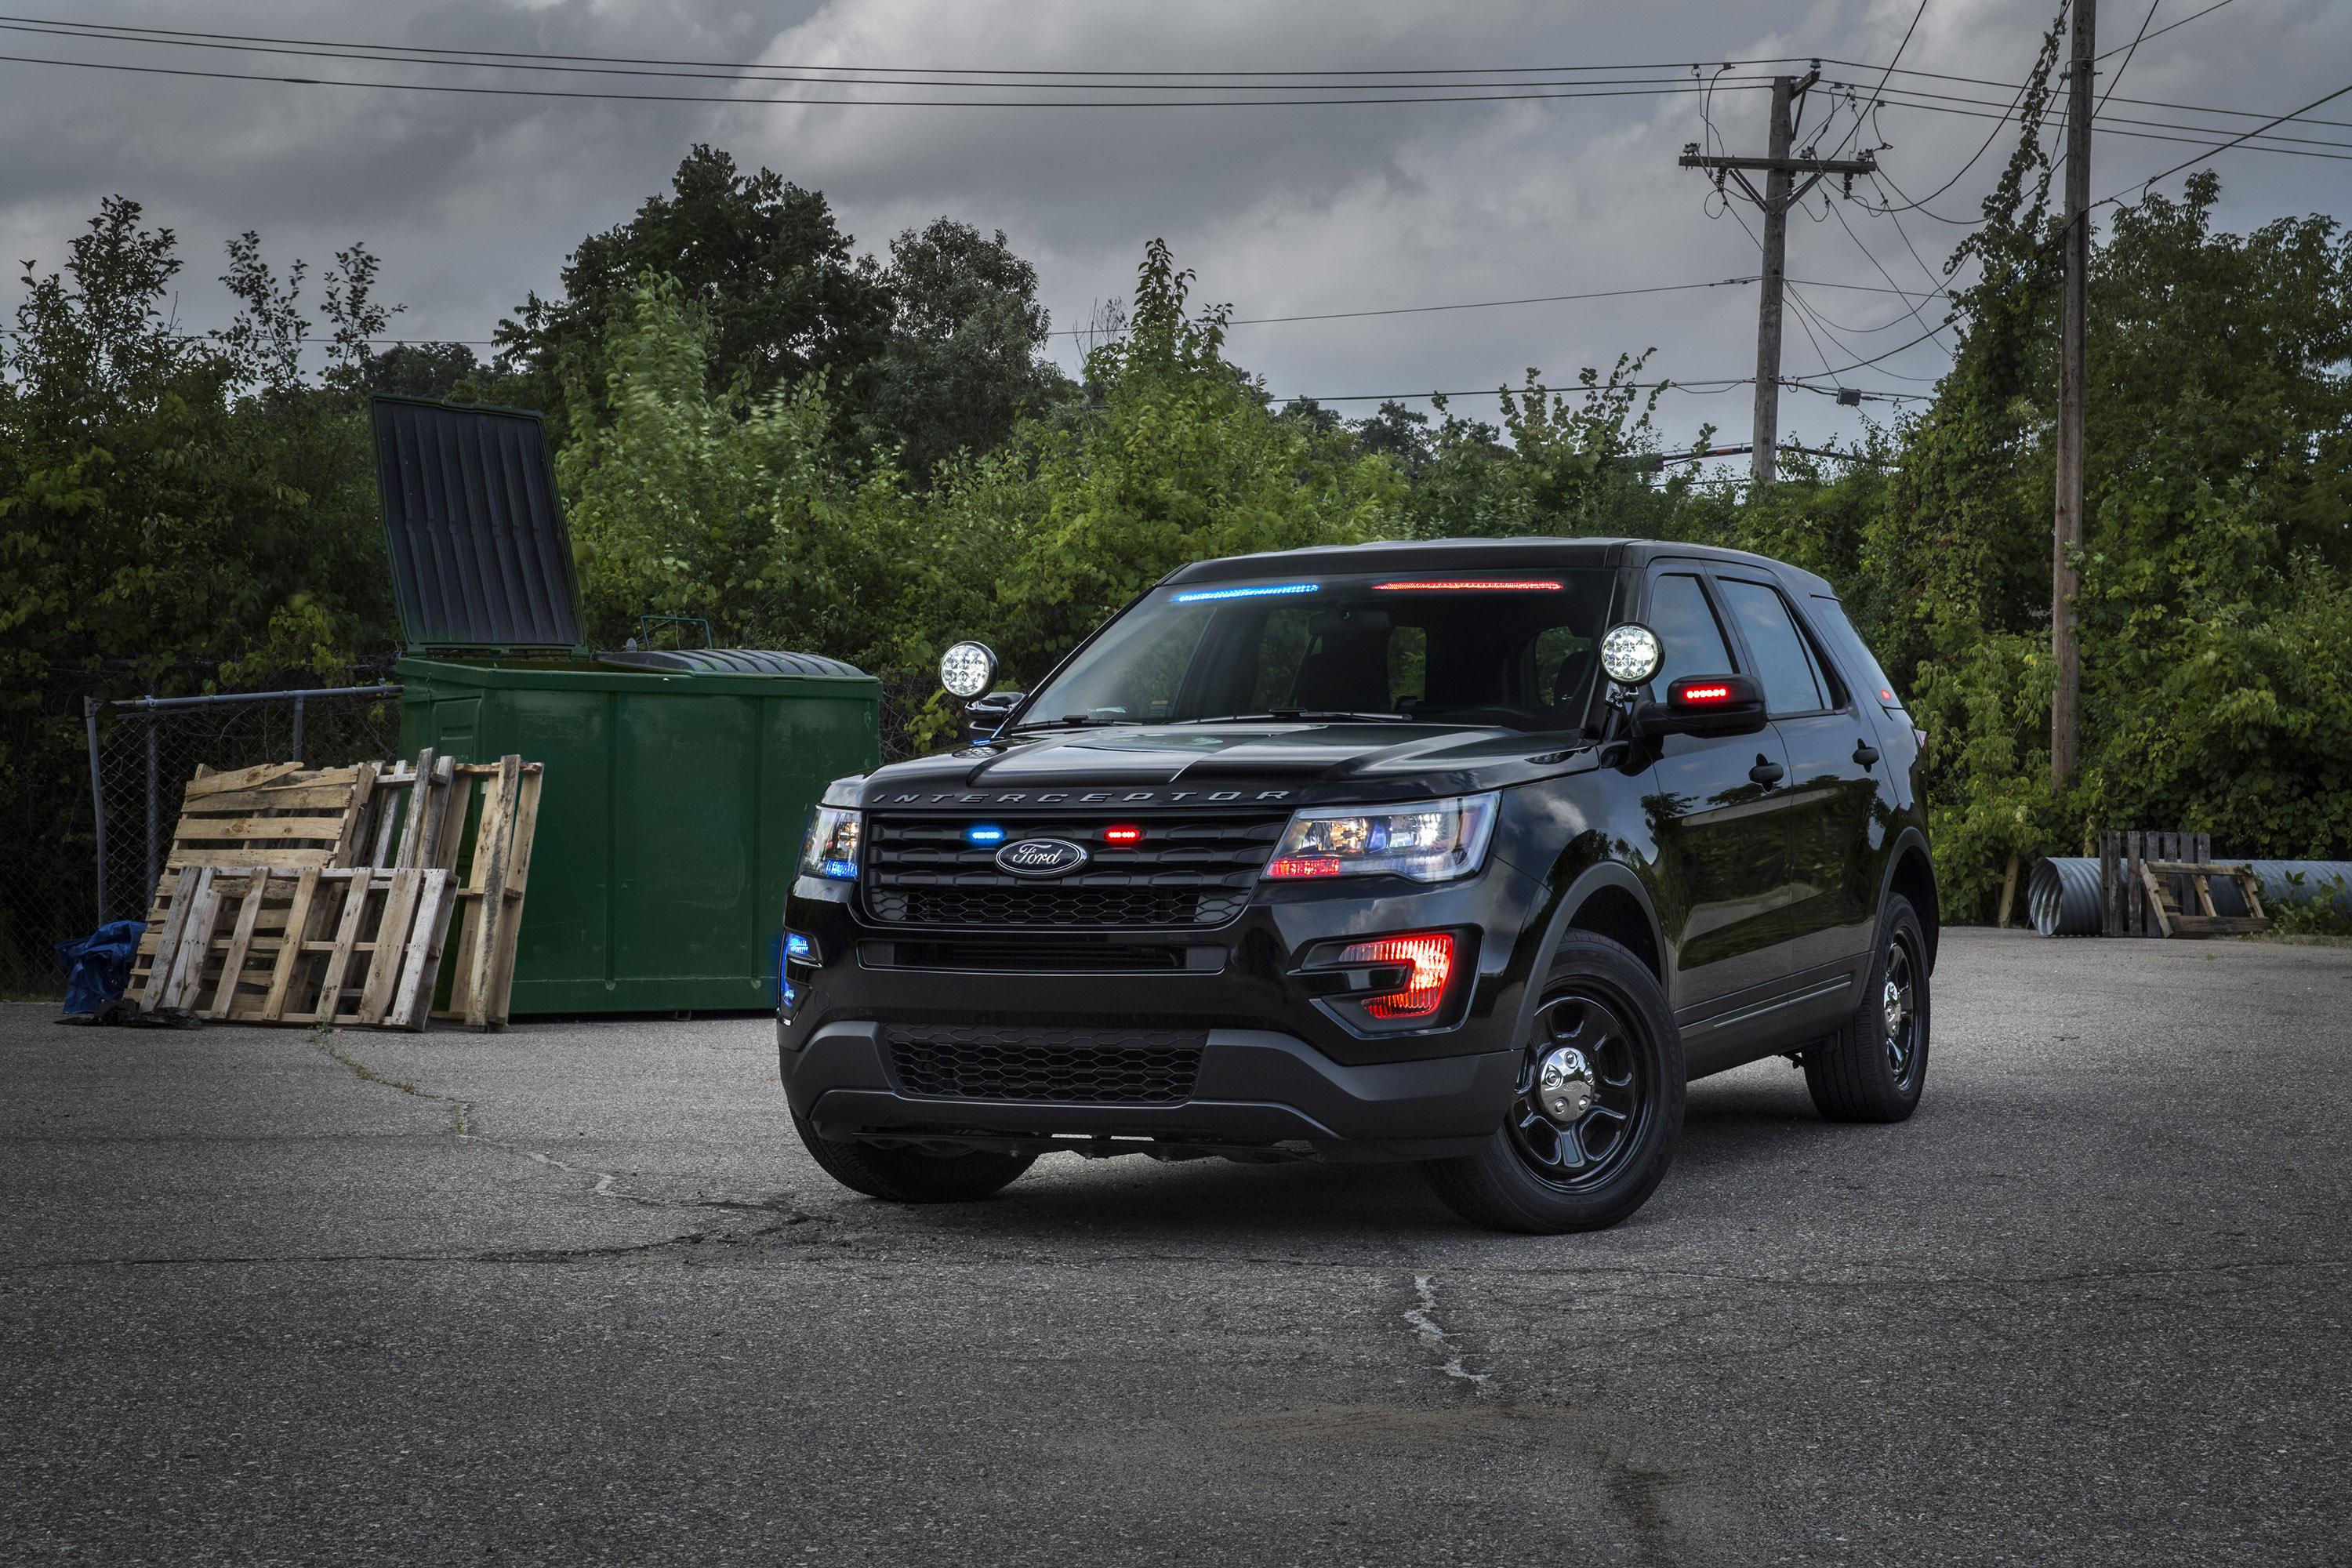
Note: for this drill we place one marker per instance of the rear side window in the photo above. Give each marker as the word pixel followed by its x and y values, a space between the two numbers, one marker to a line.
pixel 1792 683
pixel 1847 643
pixel 1687 631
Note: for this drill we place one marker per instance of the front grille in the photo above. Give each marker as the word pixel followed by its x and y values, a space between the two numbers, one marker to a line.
pixel 1193 871
pixel 1036 955
pixel 1061 1066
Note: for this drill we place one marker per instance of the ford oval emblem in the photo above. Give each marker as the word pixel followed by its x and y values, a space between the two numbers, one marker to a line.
pixel 1042 856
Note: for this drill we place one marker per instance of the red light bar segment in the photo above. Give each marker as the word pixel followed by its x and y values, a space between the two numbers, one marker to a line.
pixel 1711 692
pixel 1497 583
pixel 1302 867
pixel 1122 834
pixel 1431 958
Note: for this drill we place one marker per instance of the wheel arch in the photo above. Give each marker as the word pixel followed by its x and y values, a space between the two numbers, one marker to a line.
pixel 1610 900
pixel 1911 871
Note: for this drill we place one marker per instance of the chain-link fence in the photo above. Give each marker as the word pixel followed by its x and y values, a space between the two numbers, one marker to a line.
pixel 146 751
pixel 48 891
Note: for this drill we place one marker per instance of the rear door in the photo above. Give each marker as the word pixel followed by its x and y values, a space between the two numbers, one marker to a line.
pixel 1828 803
pixel 1722 874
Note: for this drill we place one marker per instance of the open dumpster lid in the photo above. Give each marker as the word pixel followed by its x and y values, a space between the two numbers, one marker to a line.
pixel 481 557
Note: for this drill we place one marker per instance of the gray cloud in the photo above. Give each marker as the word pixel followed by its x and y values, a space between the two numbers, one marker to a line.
pixel 474 200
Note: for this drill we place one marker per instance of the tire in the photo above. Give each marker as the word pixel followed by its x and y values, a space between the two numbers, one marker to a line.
pixel 911 1175
pixel 1615 1116
pixel 1873 1068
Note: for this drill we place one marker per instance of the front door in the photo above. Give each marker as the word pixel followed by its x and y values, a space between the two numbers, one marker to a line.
pixel 1722 881
pixel 1829 800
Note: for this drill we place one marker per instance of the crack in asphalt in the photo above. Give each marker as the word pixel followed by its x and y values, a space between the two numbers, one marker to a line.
pixel 720 1239
pixel 1424 1323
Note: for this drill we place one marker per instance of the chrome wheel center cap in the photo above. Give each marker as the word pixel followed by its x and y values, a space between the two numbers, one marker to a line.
pixel 1899 1009
pixel 1565 1086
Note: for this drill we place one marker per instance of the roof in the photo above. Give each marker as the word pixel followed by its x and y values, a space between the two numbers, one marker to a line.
pixel 1480 554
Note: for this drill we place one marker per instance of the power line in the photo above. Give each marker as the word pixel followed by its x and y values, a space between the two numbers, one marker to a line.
pixel 170 34
pixel 2145 35
pixel 1665 89
pixel 2128 53
pixel 2282 120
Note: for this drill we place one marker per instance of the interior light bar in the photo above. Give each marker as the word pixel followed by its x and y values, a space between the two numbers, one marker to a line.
pixel 1246 593
pixel 1508 584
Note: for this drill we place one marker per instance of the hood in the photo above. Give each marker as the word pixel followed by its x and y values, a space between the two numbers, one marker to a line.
pixel 1298 763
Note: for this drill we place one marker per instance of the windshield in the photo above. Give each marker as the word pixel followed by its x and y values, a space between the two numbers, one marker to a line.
pixel 1508 648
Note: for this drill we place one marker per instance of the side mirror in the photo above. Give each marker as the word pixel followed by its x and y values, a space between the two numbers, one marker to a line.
pixel 1705 705
pixel 968 669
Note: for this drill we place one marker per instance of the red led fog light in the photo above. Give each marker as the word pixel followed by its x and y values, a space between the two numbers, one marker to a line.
pixel 1431 957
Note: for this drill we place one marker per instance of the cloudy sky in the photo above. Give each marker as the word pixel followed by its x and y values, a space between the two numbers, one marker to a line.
pixel 1563 181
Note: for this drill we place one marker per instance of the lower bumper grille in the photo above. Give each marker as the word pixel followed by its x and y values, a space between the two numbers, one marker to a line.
pixel 1061 1066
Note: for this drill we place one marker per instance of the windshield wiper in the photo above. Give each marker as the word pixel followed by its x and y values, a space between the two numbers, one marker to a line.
pixel 1298 715
pixel 1074 721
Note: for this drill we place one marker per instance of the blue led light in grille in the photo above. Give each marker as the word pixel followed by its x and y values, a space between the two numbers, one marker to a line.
pixel 1246 593
pixel 983 835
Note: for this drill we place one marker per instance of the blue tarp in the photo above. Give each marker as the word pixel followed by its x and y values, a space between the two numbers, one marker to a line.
pixel 97 967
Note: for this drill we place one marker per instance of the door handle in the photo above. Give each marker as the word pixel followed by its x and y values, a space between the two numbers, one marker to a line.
pixel 1865 752
pixel 1766 771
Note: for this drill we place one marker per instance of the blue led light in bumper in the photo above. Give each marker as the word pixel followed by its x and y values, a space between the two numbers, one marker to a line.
pixel 983 835
pixel 1246 593
pixel 800 947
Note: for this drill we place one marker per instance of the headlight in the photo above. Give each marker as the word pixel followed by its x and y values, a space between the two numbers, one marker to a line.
pixel 1429 841
pixel 832 846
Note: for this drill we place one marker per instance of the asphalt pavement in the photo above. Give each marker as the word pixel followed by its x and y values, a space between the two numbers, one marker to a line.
pixel 573 1294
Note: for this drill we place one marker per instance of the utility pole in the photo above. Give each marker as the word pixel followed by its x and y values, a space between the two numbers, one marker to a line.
pixel 2066 542
pixel 1779 193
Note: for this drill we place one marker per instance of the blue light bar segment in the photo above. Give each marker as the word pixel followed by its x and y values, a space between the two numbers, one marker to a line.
pixel 1248 592
pixel 798 946
pixel 839 870
pixel 983 835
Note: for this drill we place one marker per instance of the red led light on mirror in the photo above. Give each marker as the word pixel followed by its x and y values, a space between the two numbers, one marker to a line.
pixel 1481 582
pixel 1709 693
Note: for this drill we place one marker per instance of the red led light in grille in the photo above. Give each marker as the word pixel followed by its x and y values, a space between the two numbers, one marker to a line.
pixel 1122 834
pixel 1431 958
pixel 1712 691
pixel 1480 583
pixel 1303 867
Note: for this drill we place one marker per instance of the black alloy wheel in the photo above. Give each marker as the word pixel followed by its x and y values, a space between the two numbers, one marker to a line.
pixel 1580 1101
pixel 1875 1067
pixel 1598 1112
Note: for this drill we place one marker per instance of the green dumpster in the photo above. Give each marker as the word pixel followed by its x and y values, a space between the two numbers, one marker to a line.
pixel 678 783
pixel 675 794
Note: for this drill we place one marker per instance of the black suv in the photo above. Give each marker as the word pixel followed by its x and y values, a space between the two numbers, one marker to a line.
pixel 1466 852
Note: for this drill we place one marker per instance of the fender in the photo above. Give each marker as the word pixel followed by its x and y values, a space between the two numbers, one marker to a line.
pixel 1930 916
pixel 1591 879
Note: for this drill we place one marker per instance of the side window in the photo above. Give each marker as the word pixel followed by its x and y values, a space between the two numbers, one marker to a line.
pixel 1687 630
pixel 1831 617
pixel 1791 683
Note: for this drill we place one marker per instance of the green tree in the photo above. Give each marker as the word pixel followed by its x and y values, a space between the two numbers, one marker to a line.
pixel 964 363
pixel 781 294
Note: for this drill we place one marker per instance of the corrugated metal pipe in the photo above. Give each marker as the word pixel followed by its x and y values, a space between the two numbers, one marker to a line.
pixel 2062 893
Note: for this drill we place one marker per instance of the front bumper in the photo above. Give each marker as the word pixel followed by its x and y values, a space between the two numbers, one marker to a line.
pixel 1280 1074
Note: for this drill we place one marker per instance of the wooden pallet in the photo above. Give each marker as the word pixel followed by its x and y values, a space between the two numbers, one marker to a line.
pixel 2160 877
pixel 326 897
pixel 2124 905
